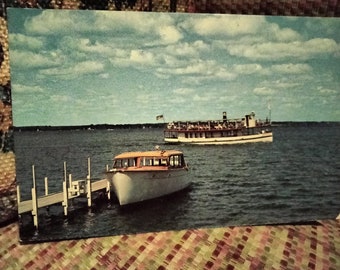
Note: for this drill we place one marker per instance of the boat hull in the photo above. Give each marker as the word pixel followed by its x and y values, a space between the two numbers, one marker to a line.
pixel 261 137
pixel 131 187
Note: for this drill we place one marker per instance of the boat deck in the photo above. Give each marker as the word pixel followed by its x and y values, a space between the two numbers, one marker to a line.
pixel 311 246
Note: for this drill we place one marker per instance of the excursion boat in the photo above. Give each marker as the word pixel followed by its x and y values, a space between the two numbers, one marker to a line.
pixel 139 176
pixel 224 131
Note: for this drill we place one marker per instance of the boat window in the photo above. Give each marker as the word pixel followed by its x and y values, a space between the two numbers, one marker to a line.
pixel 153 161
pixel 176 161
pixel 156 162
pixel 124 162
pixel 146 162
pixel 132 162
pixel 117 163
pixel 171 134
pixel 164 162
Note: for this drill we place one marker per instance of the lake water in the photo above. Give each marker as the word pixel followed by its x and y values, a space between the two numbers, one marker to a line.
pixel 294 179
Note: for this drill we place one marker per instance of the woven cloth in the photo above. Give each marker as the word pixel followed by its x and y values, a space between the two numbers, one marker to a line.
pixel 314 246
pixel 270 247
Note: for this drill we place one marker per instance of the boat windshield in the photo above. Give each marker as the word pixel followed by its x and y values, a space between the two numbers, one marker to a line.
pixel 124 162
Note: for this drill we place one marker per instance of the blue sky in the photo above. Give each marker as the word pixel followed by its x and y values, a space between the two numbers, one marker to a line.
pixel 93 67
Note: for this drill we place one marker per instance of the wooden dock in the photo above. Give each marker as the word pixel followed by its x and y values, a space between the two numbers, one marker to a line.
pixel 55 198
pixel 71 189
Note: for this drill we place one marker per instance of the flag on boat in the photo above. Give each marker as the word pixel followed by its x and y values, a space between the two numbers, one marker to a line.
pixel 158 117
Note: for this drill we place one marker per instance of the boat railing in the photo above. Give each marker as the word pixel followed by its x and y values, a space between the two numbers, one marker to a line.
pixel 213 125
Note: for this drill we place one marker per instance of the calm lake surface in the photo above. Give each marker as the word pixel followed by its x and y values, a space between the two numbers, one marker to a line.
pixel 294 179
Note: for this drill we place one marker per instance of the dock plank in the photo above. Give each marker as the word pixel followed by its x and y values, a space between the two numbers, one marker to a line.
pixel 25 206
pixel 50 199
pixel 98 185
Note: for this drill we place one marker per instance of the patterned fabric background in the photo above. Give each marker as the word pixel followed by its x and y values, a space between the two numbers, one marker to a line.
pixel 299 247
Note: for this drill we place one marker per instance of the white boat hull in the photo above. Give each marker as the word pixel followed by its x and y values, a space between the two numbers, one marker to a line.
pixel 261 137
pixel 131 187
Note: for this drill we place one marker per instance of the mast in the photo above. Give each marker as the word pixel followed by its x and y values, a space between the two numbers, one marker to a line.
pixel 269 112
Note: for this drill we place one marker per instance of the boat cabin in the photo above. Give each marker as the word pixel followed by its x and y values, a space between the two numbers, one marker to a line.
pixel 171 159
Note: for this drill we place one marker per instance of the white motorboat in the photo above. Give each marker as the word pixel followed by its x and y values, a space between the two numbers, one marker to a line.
pixel 139 176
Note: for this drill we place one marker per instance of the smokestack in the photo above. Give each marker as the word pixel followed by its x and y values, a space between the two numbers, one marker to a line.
pixel 224 117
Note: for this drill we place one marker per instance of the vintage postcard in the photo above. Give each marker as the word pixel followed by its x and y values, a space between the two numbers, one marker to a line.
pixel 133 122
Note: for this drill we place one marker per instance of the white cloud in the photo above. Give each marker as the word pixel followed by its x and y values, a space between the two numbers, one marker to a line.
pixel 201 69
pixel 112 20
pixel 156 29
pixel 184 49
pixel 171 61
pixel 24 41
pixel 274 32
pixel 169 34
pixel 291 68
pixel 183 91
pixel 85 45
pixel 142 57
pixel 240 26
pixel 88 67
pixel 59 98
pixel 189 69
pixel 223 74
pixel 263 91
pixel 325 91
pixel 225 25
pixel 21 88
pixel 51 22
pixel 321 45
pixel 104 75
pixel 247 68
pixel 282 83
pixel 287 34
pixel 24 59
pixel 278 50
pixel 202 98
pixel 76 70
pixel 198 68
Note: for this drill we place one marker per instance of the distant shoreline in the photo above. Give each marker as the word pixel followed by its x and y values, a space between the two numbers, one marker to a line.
pixel 156 125
pixel 89 127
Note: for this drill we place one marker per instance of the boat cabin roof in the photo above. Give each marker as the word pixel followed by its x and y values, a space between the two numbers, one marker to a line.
pixel 160 153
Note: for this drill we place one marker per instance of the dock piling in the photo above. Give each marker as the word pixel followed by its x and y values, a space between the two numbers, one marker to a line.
pixel 71 189
pixel 65 193
pixel 65 171
pixel 65 198
pixel 34 200
pixel 46 186
pixel 18 195
pixel 108 188
pixel 108 185
pixel 88 185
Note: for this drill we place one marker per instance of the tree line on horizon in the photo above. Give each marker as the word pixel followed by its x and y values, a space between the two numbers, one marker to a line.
pixel 155 125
